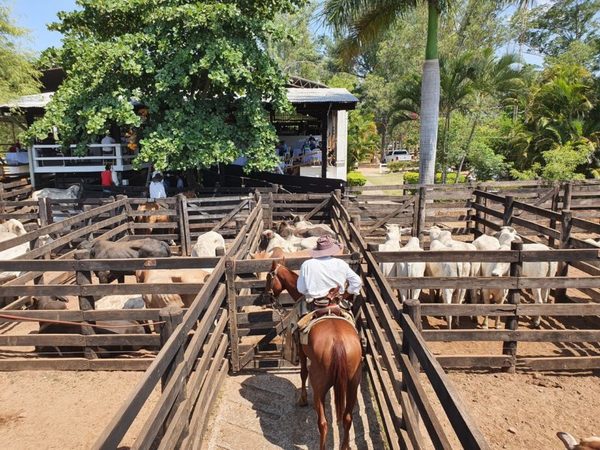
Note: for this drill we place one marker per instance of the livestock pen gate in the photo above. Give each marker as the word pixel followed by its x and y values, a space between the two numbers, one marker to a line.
pixel 223 330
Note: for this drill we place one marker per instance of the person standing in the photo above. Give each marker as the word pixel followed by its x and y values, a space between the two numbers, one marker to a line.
pixel 106 179
pixel 157 188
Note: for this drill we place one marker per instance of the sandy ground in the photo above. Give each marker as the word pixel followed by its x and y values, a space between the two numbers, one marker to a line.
pixel 258 411
pixel 525 411
pixel 63 410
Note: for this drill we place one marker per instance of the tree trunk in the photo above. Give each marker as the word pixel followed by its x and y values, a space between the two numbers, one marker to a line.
pixel 444 158
pixel 430 101
pixel 467 146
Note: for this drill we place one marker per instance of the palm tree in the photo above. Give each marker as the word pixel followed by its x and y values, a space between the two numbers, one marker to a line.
pixel 364 21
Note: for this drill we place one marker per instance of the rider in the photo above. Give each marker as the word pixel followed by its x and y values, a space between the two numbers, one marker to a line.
pixel 323 275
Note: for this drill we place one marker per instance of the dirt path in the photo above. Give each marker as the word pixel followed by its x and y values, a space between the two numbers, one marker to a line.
pixel 258 411
pixel 62 410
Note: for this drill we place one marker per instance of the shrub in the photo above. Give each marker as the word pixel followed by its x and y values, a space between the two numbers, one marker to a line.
pixel 411 178
pixel 356 179
pixel 397 166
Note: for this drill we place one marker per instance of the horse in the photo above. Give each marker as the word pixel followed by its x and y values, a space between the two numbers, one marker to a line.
pixel 153 219
pixel 335 354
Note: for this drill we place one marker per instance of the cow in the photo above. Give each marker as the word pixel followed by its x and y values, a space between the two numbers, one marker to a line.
pixel 153 219
pixel 13 226
pixel 131 301
pixel 410 269
pixel 11 253
pixel 71 193
pixel 207 245
pixel 391 244
pixel 53 302
pixel 303 228
pixel 488 295
pixel 137 248
pixel 590 443
pixel 170 277
pixel 270 239
pixel 530 269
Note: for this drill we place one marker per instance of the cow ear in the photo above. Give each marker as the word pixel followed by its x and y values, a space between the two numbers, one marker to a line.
pixel 252 255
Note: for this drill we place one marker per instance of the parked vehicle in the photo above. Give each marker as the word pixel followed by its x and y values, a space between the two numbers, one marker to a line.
pixel 397 155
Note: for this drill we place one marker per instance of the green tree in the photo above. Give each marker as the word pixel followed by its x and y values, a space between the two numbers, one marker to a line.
pixel 17 74
pixel 363 139
pixel 200 68
pixel 363 22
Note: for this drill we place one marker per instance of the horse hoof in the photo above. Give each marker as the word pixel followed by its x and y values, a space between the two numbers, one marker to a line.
pixel 302 402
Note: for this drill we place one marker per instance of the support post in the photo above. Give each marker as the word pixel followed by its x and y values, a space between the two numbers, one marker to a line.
pixel 554 207
pixel 420 213
pixel 356 222
pixel 184 225
pixel 232 308
pixel 268 210
pixel 413 310
pixel 563 266
pixel 514 296
pixel 478 214
pixel 567 196
pixel 86 302
pixel 508 210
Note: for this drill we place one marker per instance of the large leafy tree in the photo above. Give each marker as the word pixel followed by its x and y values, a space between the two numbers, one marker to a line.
pixel 17 73
pixel 200 67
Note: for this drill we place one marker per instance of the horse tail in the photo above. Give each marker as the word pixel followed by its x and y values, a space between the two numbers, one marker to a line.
pixel 339 369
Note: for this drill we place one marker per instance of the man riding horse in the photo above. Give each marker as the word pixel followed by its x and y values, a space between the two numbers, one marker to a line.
pixel 328 337
pixel 323 278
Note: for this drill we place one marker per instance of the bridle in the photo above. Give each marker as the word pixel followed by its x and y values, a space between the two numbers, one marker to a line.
pixel 271 275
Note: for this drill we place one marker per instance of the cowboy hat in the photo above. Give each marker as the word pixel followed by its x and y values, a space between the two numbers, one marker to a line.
pixel 326 246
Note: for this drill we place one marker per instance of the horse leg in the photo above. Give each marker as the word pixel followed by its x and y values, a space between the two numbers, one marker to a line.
pixel 319 396
pixel 303 376
pixel 351 395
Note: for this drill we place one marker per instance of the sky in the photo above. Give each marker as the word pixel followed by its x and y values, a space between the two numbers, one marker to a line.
pixel 34 15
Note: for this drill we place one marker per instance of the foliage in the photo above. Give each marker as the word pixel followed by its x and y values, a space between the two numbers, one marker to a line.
pixel 363 139
pixel 564 26
pixel 411 177
pixel 356 179
pixel 17 74
pixel 397 166
pixel 199 67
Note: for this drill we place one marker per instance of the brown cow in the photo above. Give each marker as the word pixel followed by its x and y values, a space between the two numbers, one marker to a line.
pixel 169 277
pixel 153 219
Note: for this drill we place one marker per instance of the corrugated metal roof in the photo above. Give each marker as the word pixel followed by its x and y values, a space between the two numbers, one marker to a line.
pixel 30 101
pixel 295 95
pixel 320 95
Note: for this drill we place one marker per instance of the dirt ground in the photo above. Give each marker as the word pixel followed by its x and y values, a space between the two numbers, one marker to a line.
pixel 526 410
pixel 63 410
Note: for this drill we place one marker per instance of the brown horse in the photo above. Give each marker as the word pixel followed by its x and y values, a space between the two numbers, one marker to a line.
pixel 152 219
pixel 335 354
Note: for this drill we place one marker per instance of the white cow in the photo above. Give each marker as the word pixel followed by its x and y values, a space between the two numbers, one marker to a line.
pixel 445 269
pixel 590 443
pixel 488 295
pixel 538 269
pixel 410 269
pixel 391 244
pixel 13 226
pixel 11 253
pixel 289 245
pixel 206 246
pixel 133 301
pixel 71 193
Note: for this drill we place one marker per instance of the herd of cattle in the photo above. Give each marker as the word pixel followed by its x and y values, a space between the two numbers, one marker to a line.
pixel 442 240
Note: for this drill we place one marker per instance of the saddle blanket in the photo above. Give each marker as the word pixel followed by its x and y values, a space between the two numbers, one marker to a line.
pixel 306 323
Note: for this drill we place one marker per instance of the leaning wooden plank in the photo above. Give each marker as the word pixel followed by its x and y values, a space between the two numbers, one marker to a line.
pixel 230 215
pixel 75 364
pixel 466 430
pixel 386 218
pixel 316 209
pixel 417 393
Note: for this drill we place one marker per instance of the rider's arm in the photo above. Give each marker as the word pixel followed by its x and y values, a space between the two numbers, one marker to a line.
pixel 354 281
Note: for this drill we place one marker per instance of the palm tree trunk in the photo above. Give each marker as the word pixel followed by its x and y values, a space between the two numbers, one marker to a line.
pixel 430 100
pixel 444 158
pixel 467 146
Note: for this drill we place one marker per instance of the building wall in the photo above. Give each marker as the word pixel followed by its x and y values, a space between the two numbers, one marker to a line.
pixel 341 148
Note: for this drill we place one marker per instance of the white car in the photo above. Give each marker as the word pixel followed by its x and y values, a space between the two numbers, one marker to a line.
pixel 397 155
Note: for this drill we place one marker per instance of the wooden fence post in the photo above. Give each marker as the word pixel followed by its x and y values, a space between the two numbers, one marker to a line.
pixel 356 222
pixel 268 210
pixel 567 196
pixel 413 310
pixel 554 207
pixel 172 318
pixel 232 308
pixel 514 296
pixel 508 210
pixel 184 225
pixel 479 229
pixel 420 213
pixel 566 224
pixel 86 302
pixel 45 211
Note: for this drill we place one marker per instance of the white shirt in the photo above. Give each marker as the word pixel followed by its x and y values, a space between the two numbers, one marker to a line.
pixel 319 275
pixel 157 190
pixel 107 140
